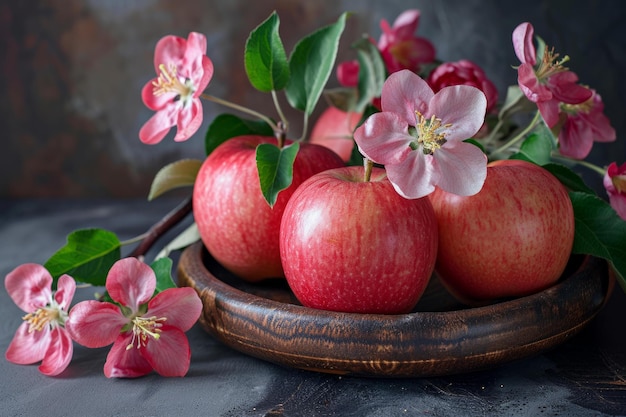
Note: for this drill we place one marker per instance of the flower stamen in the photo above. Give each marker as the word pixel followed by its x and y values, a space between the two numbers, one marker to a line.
pixel 584 107
pixel 550 64
pixel 40 318
pixel 168 82
pixel 144 327
pixel 619 181
pixel 430 133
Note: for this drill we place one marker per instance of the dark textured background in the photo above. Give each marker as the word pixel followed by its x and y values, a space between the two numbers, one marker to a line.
pixel 72 72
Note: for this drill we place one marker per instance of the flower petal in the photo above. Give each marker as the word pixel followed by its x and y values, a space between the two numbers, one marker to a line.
pixel 125 363
pixel 59 352
pixel 189 121
pixel 564 88
pixel 462 106
pixel 348 73
pixel 169 50
pixel 575 138
pixel 28 347
pixel 413 178
pixel 207 74
pixel 131 282
pixel 530 86
pixel 157 127
pixel 384 138
pixel 461 168
pixel 66 286
pixel 523 43
pixel 195 65
pixel 549 110
pixel 181 307
pixel 153 101
pixel 95 323
pixel 170 355
pixel 404 93
pixel 29 286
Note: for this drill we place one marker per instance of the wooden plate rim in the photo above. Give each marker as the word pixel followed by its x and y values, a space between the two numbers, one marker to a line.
pixel 405 345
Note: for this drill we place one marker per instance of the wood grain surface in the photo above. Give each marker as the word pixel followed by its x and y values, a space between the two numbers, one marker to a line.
pixel 266 321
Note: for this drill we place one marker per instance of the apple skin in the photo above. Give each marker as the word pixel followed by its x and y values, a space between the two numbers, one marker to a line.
pixel 236 224
pixel 354 246
pixel 512 239
pixel 334 129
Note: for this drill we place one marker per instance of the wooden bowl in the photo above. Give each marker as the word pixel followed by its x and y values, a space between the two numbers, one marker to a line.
pixel 265 321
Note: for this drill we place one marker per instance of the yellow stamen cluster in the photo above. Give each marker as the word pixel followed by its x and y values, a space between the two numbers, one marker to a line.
pixel 40 318
pixel 619 182
pixel 168 82
pixel 430 133
pixel 550 65
pixel 143 327
pixel 584 107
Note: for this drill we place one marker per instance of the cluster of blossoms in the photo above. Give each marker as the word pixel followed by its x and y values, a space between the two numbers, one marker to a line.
pixel 426 115
pixel 146 330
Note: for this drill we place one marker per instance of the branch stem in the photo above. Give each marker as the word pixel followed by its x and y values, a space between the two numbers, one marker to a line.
pixel 162 226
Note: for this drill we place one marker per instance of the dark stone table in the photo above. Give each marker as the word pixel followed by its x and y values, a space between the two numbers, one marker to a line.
pixel 585 376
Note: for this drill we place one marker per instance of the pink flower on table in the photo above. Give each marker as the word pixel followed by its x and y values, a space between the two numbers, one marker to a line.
pixel 615 185
pixel 41 337
pixel 464 72
pixel 547 82
pixel 147 333
pixel 183 72
pixel 399 48
pixel 584 124
pixel 419 136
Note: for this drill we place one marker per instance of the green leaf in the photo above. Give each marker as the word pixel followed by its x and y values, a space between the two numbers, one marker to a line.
pixel 177 174
pixel 226 126
pixel 514 102
pixel 600 232
pixel 265 59
pixel 163 270
pixel 372 72
pixel 568 178
pixel 536 148
pixel 311 63
pixel 87 256
pixel 275 166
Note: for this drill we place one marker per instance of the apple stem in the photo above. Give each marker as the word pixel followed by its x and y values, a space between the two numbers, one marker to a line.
pixel 369 164
pixel 280 134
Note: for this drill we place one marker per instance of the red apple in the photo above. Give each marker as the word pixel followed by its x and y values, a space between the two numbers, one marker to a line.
pixel 236 224
pixel 355 246
pixel 333 129
pixel 511 239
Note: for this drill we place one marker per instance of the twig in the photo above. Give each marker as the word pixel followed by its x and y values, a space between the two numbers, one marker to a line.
pixel 158 229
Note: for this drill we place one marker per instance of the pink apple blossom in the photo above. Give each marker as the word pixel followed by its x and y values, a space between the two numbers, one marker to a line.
pixel 42 336
pixel 348 73
pixel 399 48
pixel 147 333
pixel 464 72
pixel 419 136
pixel 584 124
pixel 545 82
pixel 615 185
pixel 183 72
